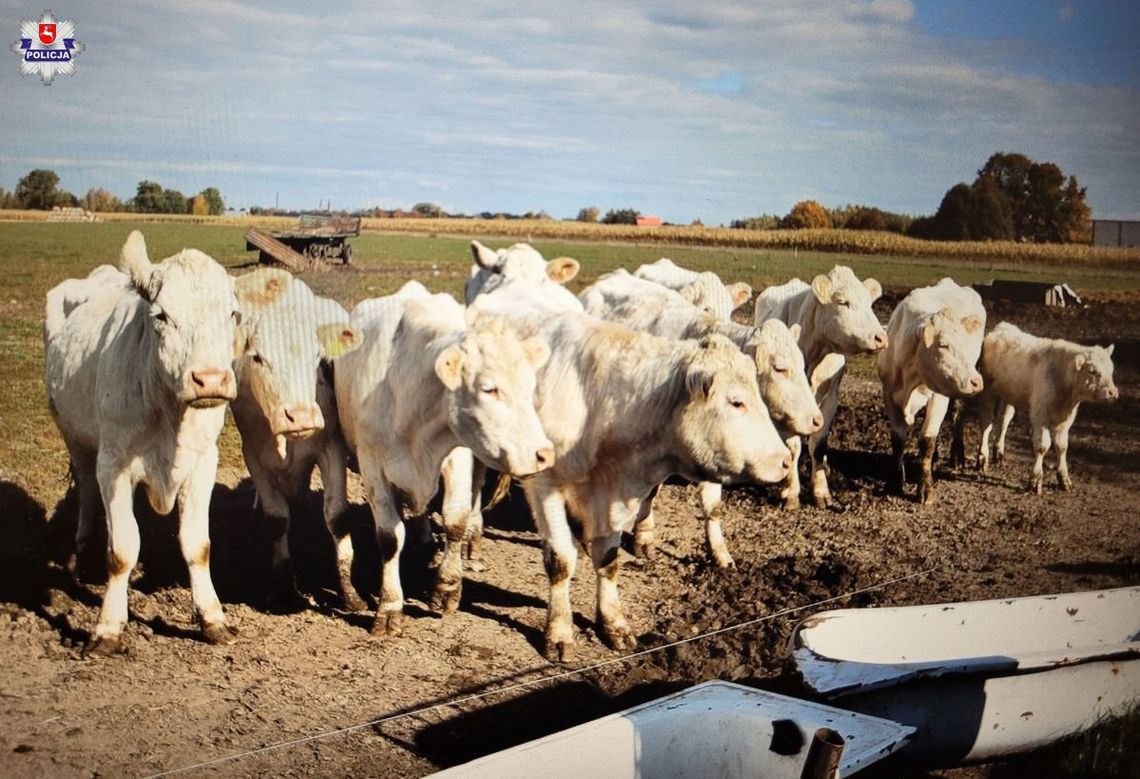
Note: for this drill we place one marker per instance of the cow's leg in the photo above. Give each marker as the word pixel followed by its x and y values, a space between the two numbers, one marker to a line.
pixel 900 432
pixel 560 557
pixel 790 495
pixel 1061 444
pixel 275 508
pixel 1006 411
pixel 935 413
pixel 1041 443
pixel 611 622
pixel 712 508
pixel 87 493
pixel 194 538
pixel 390 533
pixel 331 460
pixel 645 528
pixel 457 471
pixel 122 555
pixel 959 411
pixel 825 380
pixel 473 541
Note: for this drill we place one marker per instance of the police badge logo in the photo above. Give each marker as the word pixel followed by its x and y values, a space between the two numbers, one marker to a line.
pixel 47 47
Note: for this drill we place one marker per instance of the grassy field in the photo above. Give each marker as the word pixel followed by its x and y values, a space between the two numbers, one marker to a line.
pixel 34 256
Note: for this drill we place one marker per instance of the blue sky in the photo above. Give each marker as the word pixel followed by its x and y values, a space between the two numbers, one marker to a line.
pixel 686 110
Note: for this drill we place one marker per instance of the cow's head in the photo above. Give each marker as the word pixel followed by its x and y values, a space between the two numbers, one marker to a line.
pixel 1093 369
pixel 782 378
pixel 287 331
pixel 193 313
pixel 491 379
pixel 711 295
pixel 948 349
pixel 520 261
pixel 723 424
pixel 844 317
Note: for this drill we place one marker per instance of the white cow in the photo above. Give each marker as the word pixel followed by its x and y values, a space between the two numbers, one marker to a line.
pixel 625 411
pixel 1046 378
pixel 935 342
pixel 138 372
pixel 520 261
pixel 836 320
pixel 286 412
pixel 704 290
pixel 645 306
pixel 424 382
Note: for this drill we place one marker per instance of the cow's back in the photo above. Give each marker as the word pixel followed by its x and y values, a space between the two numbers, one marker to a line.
pixel 782 301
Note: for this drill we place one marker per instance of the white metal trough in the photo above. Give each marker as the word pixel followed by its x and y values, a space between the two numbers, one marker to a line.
pixel 982 679
pixel 713 729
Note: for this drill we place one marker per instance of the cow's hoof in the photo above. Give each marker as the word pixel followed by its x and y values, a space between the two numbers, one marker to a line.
pixel 103 646
pixel 350 601
pixel 1064 483
pixel 999 457
pixel 286 600
pixel 475 566
pixel 1038 486
pixel 926 494
pixel 645 550
pixel 388 623
pixel 823 501
pixel 219 633
pixel 559 650
pixel 791 502
pixel 722 559
pixel 618 635
pixel 445 599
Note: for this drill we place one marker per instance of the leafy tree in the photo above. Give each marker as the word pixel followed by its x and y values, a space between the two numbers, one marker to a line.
pixel 762 222
pixel 588 214
pixel 37 189
pixel 955 214
pixel 199 206
pixel 7 199
pixel 991 212
pixel 1077 214
pixel 214 201
pixel 173 202
pixel 807 214
pixel 863 218
pixel 149 198
pixel 100 200
pixel 621 216
pixel 65 199
pixel 427 209
pixel 1043 204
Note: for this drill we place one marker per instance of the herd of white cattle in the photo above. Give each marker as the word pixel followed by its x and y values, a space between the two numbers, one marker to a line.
pixel 590 402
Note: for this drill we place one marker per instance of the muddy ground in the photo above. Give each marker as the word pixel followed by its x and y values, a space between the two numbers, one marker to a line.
pixel 311 693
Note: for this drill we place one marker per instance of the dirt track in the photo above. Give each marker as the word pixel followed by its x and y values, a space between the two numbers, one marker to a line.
pixel 173 701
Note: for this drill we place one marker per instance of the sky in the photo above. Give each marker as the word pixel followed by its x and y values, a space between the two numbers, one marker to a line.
pixel 712 111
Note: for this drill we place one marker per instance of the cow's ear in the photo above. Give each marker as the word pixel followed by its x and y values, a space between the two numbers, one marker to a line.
pixel 1109 349
pixel 1079 360
pixel 794 331
pixel 821 286
pixel 243 341
pixel 929 331
pixel 134 261
pixel 337 339
pixel 537 352
pixel 698 383
pixel 690 292
pixel 562 269
pixel 762 357
pixel 449 367
pixel 741 292
pixel 485 258
pixel 261 287
pixel 972 323
pixel 874 289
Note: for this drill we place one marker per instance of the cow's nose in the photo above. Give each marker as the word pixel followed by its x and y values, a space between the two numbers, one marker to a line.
pixel 212 383
pixel 1113 393
pixel 816 422
pixel 976 384
pixel 786 463
pixel 544 457
pixel 881 340
pixel 302 417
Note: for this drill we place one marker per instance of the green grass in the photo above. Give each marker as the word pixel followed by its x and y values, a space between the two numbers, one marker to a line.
pixel 35 256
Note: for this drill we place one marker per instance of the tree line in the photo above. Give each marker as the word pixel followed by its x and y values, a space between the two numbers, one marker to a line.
pixel 39 190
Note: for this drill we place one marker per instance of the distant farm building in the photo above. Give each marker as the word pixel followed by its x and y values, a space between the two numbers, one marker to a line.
pixel 648 221
pixel 1044 292
pixel 1115 232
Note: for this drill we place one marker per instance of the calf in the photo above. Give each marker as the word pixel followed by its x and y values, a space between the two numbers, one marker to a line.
pixel 935 342
pixel 286 412
pixel 138 372
pixel 835 319
pixel 625 411
pixel 1048 379
pixel 645 306
pixel 423 382
pixel 704 290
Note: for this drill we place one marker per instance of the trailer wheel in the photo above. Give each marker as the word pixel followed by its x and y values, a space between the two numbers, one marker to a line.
pixel 346 253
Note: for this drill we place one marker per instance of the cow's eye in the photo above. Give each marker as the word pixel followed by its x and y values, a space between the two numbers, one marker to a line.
pixel 737 403
pixel 257 358
pixel 843 303
pixel 490 390
pixel 782 370
pixel 159 315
